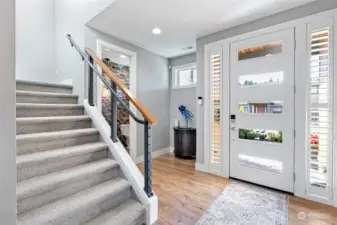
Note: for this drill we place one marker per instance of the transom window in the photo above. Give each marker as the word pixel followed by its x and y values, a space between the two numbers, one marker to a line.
pixel 184 76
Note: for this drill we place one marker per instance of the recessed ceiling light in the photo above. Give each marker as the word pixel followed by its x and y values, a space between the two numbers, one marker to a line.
pixel 106 49
pixel 156 31
pixel 187 48
pixel 123 56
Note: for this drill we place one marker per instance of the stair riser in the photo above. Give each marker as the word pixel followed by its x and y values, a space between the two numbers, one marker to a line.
pixel 57 193
pixel 88 214
pixel 42 88
pixel 30 146
pixel 141 220
pixel 25 172
pixel 45 99
pixel 46 112
pixel 50 127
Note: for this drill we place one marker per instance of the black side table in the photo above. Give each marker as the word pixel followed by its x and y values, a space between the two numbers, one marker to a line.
pixel 185 142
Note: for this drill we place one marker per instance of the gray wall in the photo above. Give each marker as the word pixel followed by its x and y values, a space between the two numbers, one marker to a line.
pixel 71 18
pixel 35 40
pixel 152 87
pixel 184 96
pixel 306 10
pixel 7 114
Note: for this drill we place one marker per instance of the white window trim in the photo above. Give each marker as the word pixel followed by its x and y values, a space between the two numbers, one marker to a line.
pixel 182 67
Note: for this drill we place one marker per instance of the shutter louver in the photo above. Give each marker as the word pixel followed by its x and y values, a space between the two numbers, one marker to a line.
pixel 320 139
pixel 215 109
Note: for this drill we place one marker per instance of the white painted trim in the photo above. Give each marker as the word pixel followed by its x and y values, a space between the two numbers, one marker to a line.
pixel 185 66
pixel 156 154
pixel 334 145
pixel 225 107
pixel 207 106
pixel 133 88
pixel 300 25
pixel 67 82
pixel 201 167
pixel 301 75
pixel 277 27
pixel 184 87
pixel 125 162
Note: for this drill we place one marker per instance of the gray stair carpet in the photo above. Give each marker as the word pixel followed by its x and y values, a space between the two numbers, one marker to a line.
pixel 64 173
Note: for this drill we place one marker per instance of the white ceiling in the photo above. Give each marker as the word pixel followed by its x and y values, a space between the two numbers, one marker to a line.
pixel 181 21
pixel 116 57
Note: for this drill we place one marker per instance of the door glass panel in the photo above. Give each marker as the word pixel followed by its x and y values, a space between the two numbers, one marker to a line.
pixel 272 107
pixel 260 51
pixel 261 79
pixel 261 163
pixel 261 135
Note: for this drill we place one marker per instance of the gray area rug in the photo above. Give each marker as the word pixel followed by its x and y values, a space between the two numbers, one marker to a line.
pixel 246 204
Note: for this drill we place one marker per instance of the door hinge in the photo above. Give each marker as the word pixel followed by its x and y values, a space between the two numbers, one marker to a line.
pixel 294 133
pixel 295 89
pixel 294 177
pixel 295 44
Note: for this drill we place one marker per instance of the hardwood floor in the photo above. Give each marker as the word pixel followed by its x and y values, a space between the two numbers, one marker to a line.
pixel 185 194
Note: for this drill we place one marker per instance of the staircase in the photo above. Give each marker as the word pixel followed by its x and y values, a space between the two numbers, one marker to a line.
pixel 64 173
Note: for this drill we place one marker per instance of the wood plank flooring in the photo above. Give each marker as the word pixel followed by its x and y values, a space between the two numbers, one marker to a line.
pixel 184 194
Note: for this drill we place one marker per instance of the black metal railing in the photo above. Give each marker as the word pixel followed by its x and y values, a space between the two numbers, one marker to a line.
pixel 92 70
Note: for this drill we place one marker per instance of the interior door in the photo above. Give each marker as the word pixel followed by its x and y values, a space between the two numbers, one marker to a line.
pixel 262 110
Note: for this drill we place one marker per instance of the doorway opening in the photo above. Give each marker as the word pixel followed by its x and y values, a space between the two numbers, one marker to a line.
pixel 122 63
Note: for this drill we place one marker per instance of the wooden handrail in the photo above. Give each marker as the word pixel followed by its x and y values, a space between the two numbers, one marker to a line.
pixel 141 108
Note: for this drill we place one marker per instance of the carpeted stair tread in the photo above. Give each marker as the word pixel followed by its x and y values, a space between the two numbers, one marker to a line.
pixel 58 154
pixel 67 208
pixel 47 106
pixel 47 84
pixel 51 119
pixel 56 134
pixel 123 214
pixel 46 94
pixel 44 183
pixel 48 110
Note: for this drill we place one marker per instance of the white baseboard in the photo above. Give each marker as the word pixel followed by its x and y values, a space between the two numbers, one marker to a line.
pixel 201 167
pixel 156 154
pixel 126 164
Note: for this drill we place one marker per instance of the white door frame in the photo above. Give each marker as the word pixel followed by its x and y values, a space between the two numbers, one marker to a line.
pixel 300 71
pixel 133 88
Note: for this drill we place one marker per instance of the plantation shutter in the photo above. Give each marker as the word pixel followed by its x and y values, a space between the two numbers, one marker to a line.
pixel 320 98
pixel 215 99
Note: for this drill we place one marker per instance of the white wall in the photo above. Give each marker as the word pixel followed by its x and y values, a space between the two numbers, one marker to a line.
pixel 71 17
pixel 35 40
pixel 7 114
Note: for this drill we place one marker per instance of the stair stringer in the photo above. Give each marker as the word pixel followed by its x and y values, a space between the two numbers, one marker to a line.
pixel 127 165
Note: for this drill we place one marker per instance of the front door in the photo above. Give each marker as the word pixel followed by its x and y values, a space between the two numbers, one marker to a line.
pixel 262 110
